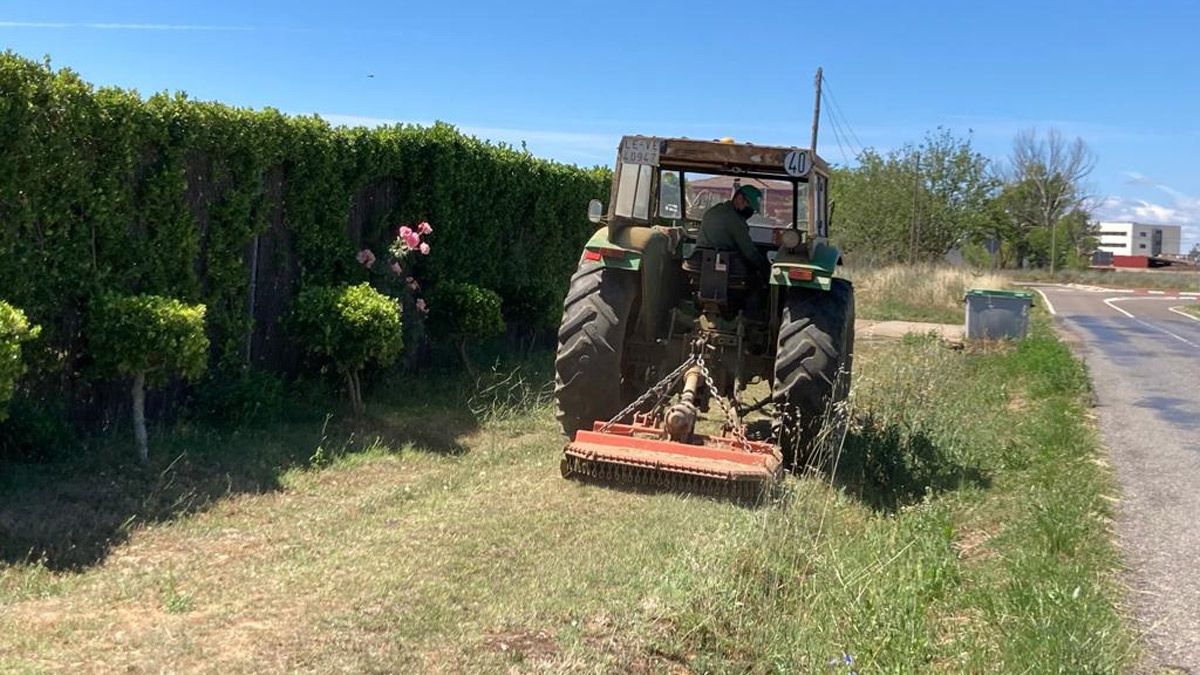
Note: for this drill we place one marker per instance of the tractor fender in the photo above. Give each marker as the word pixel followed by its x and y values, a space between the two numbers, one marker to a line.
pixel 602 250
pixel 812 271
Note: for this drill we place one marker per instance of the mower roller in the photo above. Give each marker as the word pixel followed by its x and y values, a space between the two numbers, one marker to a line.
pixel 659 322
pixel 637 455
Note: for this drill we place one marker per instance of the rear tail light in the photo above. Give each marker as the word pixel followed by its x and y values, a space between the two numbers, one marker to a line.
pixel 597 254
pixel 800 274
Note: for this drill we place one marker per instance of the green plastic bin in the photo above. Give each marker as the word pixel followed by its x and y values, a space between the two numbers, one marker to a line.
pixel 995 315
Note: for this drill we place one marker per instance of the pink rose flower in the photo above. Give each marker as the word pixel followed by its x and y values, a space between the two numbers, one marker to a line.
pixel 424 248
pixel 404 232
pixel 424 228
pixel 397 269
pixel 413 284
pixel 365 257
pixel 412 239
pixel 421 306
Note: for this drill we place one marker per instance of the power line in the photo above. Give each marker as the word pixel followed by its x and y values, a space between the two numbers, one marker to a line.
pixel 837 112
pixel 847 131
pixel 837 109
pixel 837 136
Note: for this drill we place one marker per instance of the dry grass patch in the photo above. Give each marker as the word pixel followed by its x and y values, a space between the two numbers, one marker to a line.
pixel 922 292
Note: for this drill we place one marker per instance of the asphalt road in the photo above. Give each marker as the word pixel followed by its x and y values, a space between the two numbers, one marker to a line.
pixel 1145 363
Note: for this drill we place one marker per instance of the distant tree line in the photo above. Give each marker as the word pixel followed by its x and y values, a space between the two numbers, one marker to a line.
pixel 923 201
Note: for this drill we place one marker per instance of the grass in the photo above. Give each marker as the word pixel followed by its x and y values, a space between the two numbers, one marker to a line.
pixel 1193 309
pixel 932 293
pixel 964 528
pixel 1117 278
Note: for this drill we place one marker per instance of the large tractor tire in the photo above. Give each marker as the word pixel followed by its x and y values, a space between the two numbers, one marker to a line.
pixel 813 359
pixel 587 369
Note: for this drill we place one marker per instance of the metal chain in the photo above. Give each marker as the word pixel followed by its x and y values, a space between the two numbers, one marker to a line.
pixel 730 411
pixel 663 385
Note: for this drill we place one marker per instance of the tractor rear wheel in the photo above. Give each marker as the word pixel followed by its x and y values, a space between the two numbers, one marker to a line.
pixel 812 363
pixel 587 368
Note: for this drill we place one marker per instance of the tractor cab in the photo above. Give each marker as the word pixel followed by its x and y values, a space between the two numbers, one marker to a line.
pixel 672 183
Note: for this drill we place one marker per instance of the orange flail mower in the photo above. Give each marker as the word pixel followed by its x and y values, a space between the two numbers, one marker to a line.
pixel 643 455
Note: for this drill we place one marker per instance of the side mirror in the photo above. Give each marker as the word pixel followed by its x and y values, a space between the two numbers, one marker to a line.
pixel 595 210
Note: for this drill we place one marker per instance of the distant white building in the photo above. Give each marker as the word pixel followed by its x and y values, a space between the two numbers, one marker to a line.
pixel 1126 238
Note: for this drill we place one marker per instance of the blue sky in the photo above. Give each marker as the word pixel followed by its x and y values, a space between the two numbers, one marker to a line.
pixel 570 77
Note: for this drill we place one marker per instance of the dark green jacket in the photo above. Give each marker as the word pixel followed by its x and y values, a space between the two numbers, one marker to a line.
pixel 723 229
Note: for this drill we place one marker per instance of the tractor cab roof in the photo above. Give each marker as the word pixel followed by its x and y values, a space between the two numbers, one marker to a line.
pixel 721 156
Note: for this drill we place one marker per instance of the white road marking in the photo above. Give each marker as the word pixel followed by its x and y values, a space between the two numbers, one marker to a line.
pixel 1180 312
pixel 1164 330
pixel 1045 299
pixel 1110 302
pixel 1102 289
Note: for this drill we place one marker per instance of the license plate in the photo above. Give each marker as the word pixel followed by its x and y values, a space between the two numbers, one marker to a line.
pixel 640 151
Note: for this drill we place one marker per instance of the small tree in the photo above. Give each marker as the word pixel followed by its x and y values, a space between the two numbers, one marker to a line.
pixel 352 326
pixel 1048 175
pixel 151 339
pixel 460 312
pixel 14 330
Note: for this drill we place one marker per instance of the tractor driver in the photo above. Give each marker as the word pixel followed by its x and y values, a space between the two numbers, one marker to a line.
pixel 725 228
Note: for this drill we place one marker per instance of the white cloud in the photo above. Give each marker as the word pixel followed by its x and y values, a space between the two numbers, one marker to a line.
pixel 121 26
pixel 1092 132
pixel 1135 178
pixel 1181 209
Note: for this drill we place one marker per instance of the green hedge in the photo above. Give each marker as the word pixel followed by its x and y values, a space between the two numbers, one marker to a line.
pixel 464 312
pixel 350 325
pixel 101 190
pixel 14 330
pixel 160 338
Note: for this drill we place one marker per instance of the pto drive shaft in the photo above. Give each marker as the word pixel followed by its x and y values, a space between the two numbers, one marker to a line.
pixel 681 418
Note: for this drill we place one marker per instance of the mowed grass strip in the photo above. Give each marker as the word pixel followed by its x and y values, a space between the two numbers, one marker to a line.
pixel 965 528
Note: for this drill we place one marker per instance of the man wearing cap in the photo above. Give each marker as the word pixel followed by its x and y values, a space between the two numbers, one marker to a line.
pixel 724 228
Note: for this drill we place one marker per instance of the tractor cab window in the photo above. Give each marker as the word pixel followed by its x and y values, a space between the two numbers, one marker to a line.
pixel 701 191
pixel 633 191
pixel 821 207
pixel 670 196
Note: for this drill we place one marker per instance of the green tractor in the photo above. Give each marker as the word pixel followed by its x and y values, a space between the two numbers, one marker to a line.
pixel 656 326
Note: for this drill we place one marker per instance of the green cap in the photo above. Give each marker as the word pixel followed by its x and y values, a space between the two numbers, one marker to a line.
pixel 752 195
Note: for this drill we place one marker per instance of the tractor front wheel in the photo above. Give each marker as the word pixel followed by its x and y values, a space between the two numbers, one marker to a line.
pixel 812 364
pixel 587 368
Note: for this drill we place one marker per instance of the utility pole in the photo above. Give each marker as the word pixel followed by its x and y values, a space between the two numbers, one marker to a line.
pixel 914 232
pixel 1053 242
pixel 816 115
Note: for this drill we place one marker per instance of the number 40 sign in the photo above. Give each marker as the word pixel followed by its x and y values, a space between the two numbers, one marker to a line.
pixel 796 163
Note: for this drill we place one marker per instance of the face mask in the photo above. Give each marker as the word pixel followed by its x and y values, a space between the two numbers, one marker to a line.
pixel 746 212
